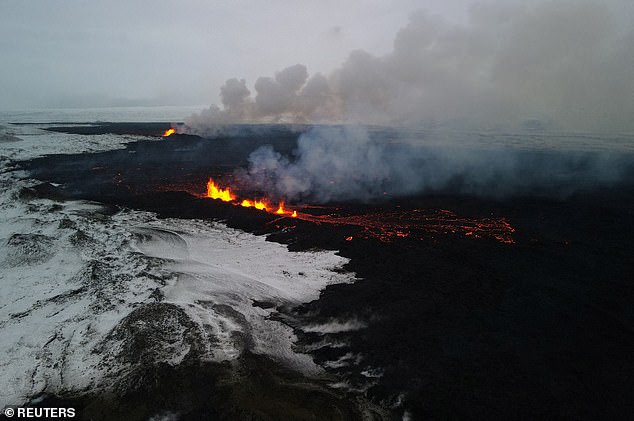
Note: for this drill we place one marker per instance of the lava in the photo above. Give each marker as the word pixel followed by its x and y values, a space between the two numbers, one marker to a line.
pixel 215 192
pixel 280 209
pixel 169 132
pixel 226 195
pixel 419 224
pixel 385 225
pixel 260 205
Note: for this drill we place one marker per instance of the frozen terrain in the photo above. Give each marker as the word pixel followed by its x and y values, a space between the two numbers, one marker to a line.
pixel 83 284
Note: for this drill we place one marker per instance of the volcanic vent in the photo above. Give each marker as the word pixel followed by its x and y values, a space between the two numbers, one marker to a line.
pixel 385 223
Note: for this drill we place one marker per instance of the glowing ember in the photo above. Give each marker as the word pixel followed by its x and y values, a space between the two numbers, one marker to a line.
pixel 169 132
pixel 215 192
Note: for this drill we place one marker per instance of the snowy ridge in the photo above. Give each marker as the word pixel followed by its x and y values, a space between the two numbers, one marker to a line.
pixel 221 272
pixel 90 294
pixel 67 281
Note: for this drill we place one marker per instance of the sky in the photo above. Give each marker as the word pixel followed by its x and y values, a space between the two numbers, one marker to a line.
pixel 65 53
pixel 565 64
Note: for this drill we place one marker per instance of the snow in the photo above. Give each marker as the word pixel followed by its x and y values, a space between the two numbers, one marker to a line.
pixel 70 276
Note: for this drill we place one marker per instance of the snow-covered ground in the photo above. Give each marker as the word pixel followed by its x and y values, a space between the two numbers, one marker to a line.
pixel 77 280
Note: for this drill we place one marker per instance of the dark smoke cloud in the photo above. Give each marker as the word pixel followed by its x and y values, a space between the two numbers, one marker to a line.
pixel 566 63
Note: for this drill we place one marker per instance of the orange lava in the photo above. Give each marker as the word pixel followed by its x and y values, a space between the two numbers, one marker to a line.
pixel 386 226
pixel 280 209
pixel 260 205
pixel 420 224
pixel 215 192
pixel 226 195
pixel 169 132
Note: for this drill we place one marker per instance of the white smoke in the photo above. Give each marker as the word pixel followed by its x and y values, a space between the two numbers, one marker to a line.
pixel 356 163
pixel 554 65
pixel 566 63
pixel 289 97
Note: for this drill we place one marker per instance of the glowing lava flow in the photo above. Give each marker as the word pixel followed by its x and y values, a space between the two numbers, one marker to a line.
pixel 386 225
pixel 282 211
pixel 169 132
pixel 419 224
pixel 216 192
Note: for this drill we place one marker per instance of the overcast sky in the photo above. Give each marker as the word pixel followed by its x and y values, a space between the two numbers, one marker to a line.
pixel 92 53
pixel 480 63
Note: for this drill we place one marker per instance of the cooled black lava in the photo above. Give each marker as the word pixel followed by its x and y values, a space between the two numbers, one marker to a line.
pixel 456 328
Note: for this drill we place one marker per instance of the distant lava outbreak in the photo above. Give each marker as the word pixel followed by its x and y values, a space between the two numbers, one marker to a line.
pixel 384 225
pixel 169 132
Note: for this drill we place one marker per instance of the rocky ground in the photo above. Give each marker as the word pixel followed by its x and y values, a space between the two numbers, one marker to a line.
pixel 448 327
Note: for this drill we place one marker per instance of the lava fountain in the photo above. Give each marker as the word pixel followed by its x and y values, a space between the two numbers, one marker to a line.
pixel 384 225
pixel 215 192
pixel 226 195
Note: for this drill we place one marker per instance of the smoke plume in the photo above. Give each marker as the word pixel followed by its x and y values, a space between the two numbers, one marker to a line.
pixel 562 64
pixel 357 163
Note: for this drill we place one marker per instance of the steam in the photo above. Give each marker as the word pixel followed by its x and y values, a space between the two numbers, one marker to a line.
pixel 562 64
pixel 290 96
pixel 355 163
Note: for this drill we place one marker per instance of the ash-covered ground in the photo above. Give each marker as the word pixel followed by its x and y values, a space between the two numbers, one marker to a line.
pixel 447 303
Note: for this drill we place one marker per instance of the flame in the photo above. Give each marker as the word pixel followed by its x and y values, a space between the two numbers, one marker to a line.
pixel 260 205
pixel 281 210
pixel 215 192
pixel 169 132
pixel 384 225
pixel 226 195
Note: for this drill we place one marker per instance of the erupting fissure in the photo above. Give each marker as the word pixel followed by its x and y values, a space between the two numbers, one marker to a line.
pixel 215 192
pixel 226 195
pixel 169 132
pixel 385 225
